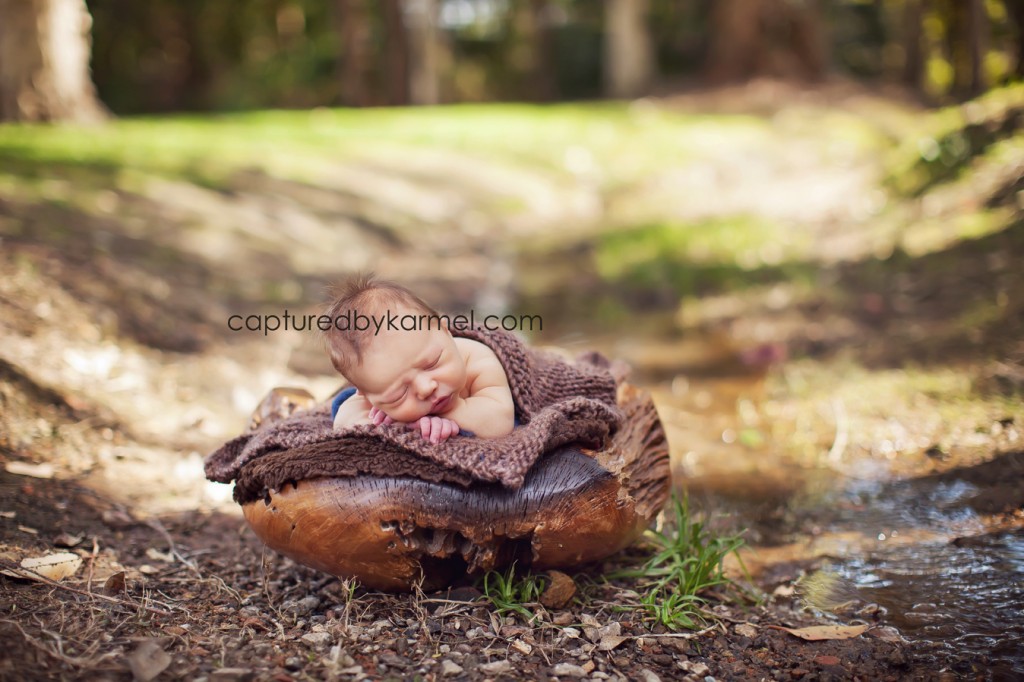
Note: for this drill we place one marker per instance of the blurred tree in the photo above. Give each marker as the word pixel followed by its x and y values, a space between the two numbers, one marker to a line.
pixel 44 62
pixel 966 34
pixel 781 38
pixel 424 51
pixel 353 27
pixel 531 51
pixel 396 54
pixel 913 45
pixel 629 55
pixel 544 67
pixel 1015 10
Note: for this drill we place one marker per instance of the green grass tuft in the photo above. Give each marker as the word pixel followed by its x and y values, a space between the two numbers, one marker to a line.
pixel 688 563
pixel 511 594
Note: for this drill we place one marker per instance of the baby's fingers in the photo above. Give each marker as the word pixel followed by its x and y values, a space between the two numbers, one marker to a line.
pixel 436 424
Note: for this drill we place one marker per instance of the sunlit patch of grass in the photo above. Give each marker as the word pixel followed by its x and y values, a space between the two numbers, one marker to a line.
pixel 688 562
pixel 711 255
pixel 509 593
pixel 948 139
pixel 606 142
pixel 932 235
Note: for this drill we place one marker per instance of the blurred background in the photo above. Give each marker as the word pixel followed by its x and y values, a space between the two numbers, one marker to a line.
pixel 232 55
pixel 799 220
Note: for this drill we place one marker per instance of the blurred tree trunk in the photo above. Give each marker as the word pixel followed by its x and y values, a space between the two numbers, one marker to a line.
pixel 735 27
pixel 781 38
pixel 913 45
pixel 353 28
pixel 396 53
pixel 1015 10
pixel 966 33
pixel 628 54
pixel 977 42
pixel 542 66
pixel 45 47
pixel 807 38
pixel 424 52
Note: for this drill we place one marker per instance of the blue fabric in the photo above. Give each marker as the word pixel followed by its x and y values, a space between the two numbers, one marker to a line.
pixel 347 393
pixel 339 399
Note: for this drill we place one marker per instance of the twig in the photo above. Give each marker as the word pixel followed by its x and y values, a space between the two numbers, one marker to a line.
pixel 76 661
pixel 159 527
pixel 92 564
pixel 53 583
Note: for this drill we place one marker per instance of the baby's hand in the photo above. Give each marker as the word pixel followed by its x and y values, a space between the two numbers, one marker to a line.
pixel 377 417
pixel 435 429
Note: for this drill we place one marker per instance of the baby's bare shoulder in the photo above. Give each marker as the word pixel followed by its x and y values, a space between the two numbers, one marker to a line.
pixel 481 362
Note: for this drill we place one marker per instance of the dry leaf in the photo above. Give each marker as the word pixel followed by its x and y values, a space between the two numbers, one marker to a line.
pixel 147 661
pixel 559 592
pixel 44 470
pixel 522 647
pixel 591 627
pixel 495 623
pixel 53 566
pixel 609 642
pixel 8 514
pixel 115 584
pixel 67 540
pixel 819 632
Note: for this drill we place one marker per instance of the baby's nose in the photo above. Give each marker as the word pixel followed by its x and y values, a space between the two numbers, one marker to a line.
pixel 426 387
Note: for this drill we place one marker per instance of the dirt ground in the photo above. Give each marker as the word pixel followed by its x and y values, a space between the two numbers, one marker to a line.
pixel 195 595
pixel 117 375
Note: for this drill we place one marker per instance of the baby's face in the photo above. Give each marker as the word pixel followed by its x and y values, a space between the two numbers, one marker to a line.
pixel 409 375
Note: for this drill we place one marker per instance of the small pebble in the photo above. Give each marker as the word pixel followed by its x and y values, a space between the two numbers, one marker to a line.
pixel 318 640
pixel 646 675
pixel 495 667
pixel 450 668
pixel 568 670
pixel 302 607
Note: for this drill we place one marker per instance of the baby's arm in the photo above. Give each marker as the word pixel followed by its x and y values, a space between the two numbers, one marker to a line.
pixel 353 412
pixel 488 411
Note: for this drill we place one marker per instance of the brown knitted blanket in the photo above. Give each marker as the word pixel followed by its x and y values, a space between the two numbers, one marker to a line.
pixel 557 402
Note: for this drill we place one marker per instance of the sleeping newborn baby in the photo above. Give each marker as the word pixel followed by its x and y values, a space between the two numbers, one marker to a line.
pixel 424 378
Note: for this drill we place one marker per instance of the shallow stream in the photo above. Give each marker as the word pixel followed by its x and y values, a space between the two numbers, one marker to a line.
pixel 941 571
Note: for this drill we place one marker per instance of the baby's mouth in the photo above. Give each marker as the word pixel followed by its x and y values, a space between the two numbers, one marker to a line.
pixel 440 403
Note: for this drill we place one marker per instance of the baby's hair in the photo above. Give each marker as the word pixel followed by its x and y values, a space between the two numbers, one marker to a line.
pixel 369 296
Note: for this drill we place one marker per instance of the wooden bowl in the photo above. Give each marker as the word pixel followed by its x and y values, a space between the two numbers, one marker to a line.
pixel 389 533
